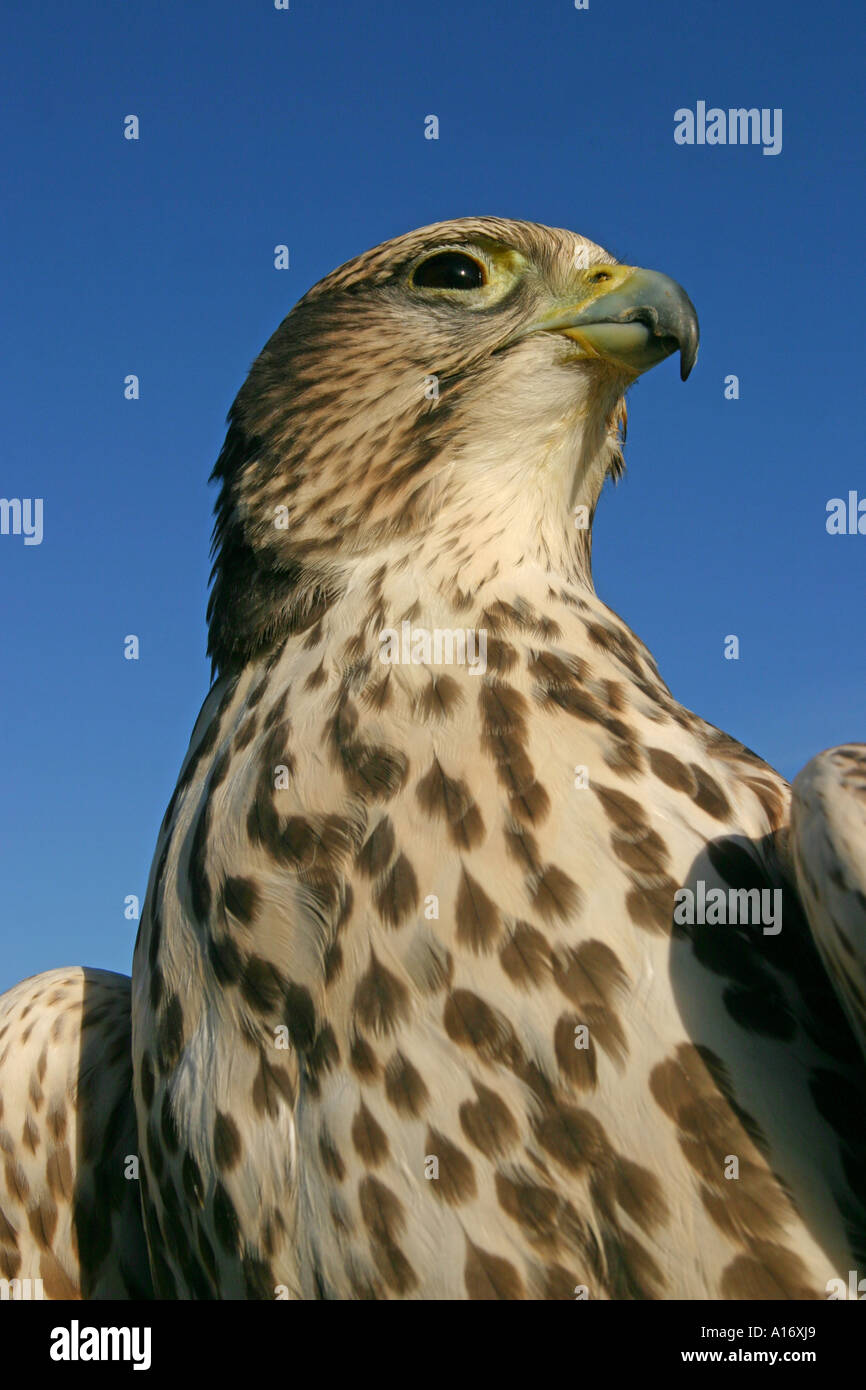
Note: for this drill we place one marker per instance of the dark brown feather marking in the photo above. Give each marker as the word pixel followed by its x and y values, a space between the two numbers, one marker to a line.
pixel 476 916
pixel 456 1180
pixel 381 1000
pixel 404 1086
pixel 488 1123
pixel 488 1277
pixel 449 799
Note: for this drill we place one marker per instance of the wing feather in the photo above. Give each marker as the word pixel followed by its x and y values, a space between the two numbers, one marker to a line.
pixel 828 848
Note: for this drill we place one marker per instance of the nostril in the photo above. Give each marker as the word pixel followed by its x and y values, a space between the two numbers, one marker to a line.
pixel 599 276
pixel 642 314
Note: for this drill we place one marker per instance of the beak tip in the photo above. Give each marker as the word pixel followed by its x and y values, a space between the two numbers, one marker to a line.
pixel 688 355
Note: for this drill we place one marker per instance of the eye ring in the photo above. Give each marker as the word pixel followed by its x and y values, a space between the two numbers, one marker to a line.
pixel 450 270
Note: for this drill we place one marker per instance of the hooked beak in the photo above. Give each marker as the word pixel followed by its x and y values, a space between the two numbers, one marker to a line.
pixel 630 317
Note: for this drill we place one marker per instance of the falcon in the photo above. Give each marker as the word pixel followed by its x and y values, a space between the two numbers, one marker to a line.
pixel 413 1013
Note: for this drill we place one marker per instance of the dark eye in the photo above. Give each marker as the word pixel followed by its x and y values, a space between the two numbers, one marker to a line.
pixel 450 270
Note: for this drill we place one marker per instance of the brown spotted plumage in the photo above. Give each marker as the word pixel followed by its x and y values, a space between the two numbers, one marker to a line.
pixel 434 984
pixel 70 1213
pixel 414 1014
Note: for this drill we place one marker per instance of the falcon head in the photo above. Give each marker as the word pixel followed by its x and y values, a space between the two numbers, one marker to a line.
pixel 446 399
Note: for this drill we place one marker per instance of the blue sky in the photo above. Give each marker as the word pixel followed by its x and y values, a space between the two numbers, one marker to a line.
pixel 305 127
